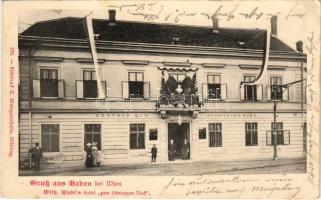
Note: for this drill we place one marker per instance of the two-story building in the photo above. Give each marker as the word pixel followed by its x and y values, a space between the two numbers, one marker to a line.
pixel 162 82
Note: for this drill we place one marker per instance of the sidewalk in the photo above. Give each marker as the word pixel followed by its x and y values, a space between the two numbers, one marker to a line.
pixel 177 168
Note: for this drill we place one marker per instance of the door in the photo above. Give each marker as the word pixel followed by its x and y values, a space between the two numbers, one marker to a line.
pixel 178 133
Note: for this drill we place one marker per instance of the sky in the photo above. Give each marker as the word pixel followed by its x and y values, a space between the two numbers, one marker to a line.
pixel 292 22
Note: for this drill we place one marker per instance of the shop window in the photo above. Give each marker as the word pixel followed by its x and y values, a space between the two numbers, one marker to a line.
pixel 50 137
pixel 215 134
pixel 137 136
pixel 93 134
pixel 251 134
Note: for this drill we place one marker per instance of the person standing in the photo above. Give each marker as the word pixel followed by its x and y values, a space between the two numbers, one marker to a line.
pixel 89 156
pixel 36 156
pixel 32 156
pixel 94 150
pixel 154 153
pixel 185 150
pixel 171 150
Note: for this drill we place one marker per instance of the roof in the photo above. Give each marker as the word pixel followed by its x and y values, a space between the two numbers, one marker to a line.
pixel 138 32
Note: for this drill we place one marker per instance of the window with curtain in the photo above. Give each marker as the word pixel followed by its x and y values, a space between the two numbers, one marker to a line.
pixel 50 137
pixel 49 82
pixel 251 134
pixel 250 90
pixel 92 134
pixel 215 134
pixel 136 84
pixel 276 88
pixel 214 86
pixel 137 136
pixel 90 84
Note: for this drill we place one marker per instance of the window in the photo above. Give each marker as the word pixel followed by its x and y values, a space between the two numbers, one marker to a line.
pixel 137 136
pixel 50 137
pixel 215 134
pixel 214 86
pixel 202 133
pixel 93 134
pixel 136 84
pixel 279 133
pixel 90 84
pixel 276 88
pixel 153 134
pixel 250 90
pixel 178 77
pixel 251 134
pixel 49 82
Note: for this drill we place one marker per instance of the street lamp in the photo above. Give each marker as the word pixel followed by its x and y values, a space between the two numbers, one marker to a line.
pixel 286 86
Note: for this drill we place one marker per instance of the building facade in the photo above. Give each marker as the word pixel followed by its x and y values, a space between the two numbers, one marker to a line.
pixel 162 82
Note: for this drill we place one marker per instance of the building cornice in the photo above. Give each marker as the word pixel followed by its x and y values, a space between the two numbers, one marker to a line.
pixel 129 47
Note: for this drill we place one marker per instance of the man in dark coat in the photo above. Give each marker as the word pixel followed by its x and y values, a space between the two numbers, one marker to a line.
pixel 36 155
pixel 154 153
pixel 185 150
pixel 89 156
pixel 171 150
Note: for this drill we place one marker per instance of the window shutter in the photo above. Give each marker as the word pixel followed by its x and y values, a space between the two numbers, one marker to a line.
pixel 268 92
pixel 205 91
pixel 104 86
pixel 80 89
pixel 259 92
pixel 242 92
pixel 285 95
pixel 223 91
pixel 292 93
pixel 61 89
pixel 106 89
pixel 146 90
pixel 125 90
pixel 36 88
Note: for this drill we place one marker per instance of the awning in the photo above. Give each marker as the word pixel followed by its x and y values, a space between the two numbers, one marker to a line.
pixel 192 69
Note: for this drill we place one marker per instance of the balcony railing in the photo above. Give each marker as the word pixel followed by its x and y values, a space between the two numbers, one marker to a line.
pixel 179 102
pixel 48 88
pixel 283 137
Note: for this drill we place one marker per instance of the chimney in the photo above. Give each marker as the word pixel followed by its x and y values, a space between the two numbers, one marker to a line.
pixel 215 25
pixel 274 25
pixel 299 46
pixel 112 17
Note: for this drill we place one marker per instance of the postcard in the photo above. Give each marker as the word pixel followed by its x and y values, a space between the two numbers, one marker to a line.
pixel 161 99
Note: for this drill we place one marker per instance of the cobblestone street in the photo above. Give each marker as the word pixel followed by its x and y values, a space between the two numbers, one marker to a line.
pixel 177 168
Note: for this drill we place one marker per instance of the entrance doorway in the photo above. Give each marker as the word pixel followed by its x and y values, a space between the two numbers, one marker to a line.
pixel 178 133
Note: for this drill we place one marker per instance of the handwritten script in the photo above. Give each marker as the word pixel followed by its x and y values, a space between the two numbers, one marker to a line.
pixel 234 186
pixel 157 11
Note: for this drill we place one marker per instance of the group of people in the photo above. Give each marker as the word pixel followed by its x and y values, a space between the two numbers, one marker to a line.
pixel 92 155
pixel 172 150
pixel 35 156
pixel 185 151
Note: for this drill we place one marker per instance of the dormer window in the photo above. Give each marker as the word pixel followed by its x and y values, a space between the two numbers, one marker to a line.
pixel 176 40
